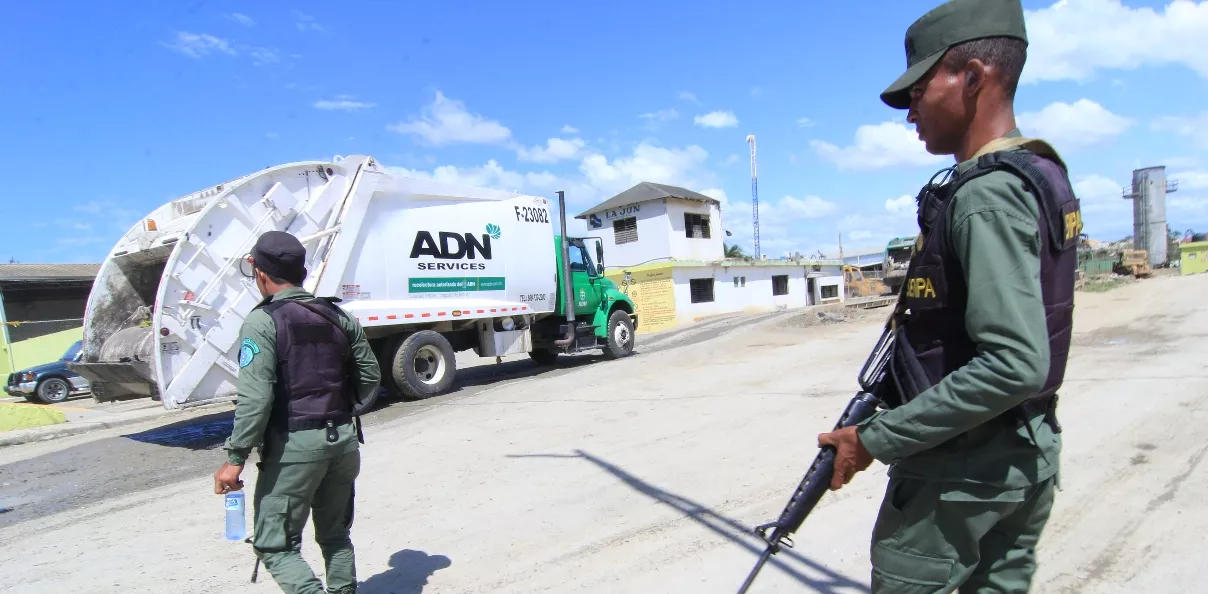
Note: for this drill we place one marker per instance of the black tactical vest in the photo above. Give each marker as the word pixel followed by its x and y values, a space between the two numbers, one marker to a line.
pixel 313 363
pixel 932 341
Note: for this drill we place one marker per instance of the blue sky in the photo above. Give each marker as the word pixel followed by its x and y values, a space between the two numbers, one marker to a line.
pixel 111 110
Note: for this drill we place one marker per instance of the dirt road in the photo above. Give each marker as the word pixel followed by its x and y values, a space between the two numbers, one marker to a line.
pixel 644 475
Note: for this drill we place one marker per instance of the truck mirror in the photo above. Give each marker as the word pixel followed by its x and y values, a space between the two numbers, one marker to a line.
pixel 600 256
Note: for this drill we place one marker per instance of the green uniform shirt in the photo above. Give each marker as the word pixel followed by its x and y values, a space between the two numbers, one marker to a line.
pixel 947 433
pixel 255 395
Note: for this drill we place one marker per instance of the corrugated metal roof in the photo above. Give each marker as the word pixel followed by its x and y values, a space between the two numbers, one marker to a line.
pixel 37 272
pixel 645 192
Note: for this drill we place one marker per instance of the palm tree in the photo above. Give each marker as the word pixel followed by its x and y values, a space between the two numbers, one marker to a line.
pixel 734 252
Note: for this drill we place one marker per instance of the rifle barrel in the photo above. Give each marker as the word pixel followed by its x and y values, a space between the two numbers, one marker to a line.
pixel 767 554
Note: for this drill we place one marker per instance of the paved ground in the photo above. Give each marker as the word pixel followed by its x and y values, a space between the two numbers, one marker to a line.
pixel 643 475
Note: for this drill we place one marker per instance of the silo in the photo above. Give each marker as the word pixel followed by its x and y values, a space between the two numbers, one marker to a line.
pixel 1149 212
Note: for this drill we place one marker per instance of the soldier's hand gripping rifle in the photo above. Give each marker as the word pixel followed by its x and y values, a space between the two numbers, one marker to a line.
pixel 874 391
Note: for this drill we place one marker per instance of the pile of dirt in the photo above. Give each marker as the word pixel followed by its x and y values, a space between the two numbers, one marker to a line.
pixel 822 317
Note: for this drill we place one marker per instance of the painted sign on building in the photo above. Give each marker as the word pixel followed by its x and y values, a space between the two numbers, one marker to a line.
pixel 653 295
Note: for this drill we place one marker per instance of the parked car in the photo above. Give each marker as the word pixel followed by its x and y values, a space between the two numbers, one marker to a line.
pixel 50 382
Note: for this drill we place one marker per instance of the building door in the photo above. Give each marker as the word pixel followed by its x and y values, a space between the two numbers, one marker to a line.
pixel 583 283
pixel 811 288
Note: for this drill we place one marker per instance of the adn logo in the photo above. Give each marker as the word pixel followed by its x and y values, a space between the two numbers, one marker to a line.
pixel 494 231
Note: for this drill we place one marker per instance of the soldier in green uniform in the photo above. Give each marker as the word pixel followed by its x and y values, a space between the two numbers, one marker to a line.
pixel 303 362
pixel 973 446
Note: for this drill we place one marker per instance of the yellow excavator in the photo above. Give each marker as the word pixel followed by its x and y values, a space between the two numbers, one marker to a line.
pixel 856 285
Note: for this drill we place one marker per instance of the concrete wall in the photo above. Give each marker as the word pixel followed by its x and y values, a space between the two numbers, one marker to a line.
pixel 1193 257
pixel 684 248
pixel 36 351
pixel 752 296
pixel 653 234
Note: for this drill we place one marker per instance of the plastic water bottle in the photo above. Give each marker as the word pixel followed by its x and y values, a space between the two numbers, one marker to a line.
pixel 236 528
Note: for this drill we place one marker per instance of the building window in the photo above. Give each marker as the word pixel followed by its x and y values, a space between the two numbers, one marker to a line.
pixel 625 230
pixel 740 281
pixel 696 226
pixel 830 291
pixel 744 281
pixel 736 282
pixel 701 289
pixel 780 284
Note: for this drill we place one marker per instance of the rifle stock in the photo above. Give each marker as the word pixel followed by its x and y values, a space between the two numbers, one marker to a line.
pixel 817 479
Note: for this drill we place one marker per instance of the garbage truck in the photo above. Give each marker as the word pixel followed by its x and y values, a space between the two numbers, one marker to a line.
pixel 428 268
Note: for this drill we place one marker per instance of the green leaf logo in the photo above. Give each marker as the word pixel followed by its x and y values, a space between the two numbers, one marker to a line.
pixel 494 231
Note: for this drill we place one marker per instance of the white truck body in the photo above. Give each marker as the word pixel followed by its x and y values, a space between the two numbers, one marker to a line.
pixel 165 312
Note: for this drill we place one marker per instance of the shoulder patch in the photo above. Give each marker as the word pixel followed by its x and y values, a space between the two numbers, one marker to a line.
pixel 247 351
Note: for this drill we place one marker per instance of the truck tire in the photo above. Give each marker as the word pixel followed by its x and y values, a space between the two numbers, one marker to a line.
pixel 544 356
pixel 423 365
pixel 53 389
pixel 619 342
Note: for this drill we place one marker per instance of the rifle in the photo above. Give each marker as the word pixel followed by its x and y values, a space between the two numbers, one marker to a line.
pixel 873 394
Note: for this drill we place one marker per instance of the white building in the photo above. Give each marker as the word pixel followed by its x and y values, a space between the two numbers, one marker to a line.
pixel 667 241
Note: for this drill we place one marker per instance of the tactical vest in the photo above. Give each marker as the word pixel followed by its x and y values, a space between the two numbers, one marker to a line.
pixel 932 341
pixel 313 386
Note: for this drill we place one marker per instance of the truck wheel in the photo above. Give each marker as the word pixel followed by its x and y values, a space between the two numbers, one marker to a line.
pixel 53 390
pixel 423 365
pixel 620 335
pixel 544 356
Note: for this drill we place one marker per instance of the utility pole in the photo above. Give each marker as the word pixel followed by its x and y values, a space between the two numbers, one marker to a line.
pixel 754 194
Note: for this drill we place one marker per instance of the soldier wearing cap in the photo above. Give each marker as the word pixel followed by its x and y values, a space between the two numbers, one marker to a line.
pixel 982 326
pixel 302 364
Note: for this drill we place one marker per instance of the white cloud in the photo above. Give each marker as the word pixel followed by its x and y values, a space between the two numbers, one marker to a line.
pixel 805 123
pixel 569 129
pixel 197 45
pixel 1191 180
pixel 490 175
pixel 902 205
pixel 717 119
pixel 242 19
pixel 446 121
pixel 1071 39
pixel 305 22
pixel 674 166
pixel 689 96
pixel 757 91
pixel 1070 126
pixel 789 209
pixel 263 55
pixel 342 103
pixel 662 115
pixel 1193 127
pixel 733 159
pixel 555 149
pixel 1099 193
pixel 878 146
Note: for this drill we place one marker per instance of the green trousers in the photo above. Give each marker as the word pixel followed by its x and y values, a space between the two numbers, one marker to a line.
pixel 286 495
pixel 938 537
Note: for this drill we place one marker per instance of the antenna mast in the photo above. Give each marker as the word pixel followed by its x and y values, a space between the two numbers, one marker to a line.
pixel 754 193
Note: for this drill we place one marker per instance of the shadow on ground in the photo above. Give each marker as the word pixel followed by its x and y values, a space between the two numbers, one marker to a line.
pixel 408 574
pixel 830 582
pixel 200 433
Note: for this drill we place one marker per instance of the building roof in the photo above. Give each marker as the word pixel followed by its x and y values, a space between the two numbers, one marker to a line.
pixel 45 272
pixel 645 192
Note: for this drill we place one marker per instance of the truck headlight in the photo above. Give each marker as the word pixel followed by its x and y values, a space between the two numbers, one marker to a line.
pixel 28 376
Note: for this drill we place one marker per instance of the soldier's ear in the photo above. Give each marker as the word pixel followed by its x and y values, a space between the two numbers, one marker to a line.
pixel 975 75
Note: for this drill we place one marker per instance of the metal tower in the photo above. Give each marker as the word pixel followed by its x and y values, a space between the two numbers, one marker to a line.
pixel 754 193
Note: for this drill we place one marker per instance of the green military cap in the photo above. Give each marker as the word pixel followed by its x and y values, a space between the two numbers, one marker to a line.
pixel 949 24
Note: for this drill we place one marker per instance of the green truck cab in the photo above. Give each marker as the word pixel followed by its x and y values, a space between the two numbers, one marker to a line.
pixel 897 260
pixel 601 316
